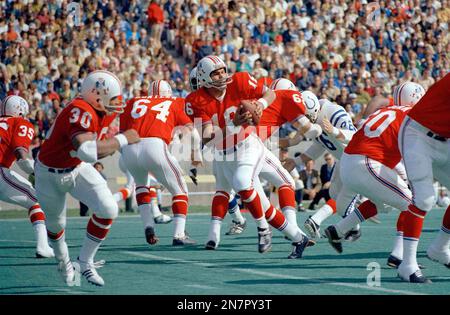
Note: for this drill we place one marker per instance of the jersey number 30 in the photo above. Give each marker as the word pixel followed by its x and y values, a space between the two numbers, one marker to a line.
pixel 140 108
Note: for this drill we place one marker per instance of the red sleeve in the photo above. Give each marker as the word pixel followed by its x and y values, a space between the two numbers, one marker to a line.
pixel 126 121
pixel 249 87
pixel 82 120
pixel 292 106
pixel 194 109
pixel 181 117
pixel 23 134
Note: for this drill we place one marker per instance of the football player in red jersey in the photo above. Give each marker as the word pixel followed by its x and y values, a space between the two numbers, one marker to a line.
pixel 62 166
pixel 425 147
pixel 371 166
pixel 154 118
pixel 238 151
pixel 16 134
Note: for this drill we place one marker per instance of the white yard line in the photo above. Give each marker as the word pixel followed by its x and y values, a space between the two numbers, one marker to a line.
pixel 273 275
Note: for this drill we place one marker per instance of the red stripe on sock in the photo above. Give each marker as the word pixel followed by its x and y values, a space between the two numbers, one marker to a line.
pixel 102 221
pixel 97 231
pixel 153 193
pixel 332 204
pixel 401 221
pixel 180 207
pixel 55 236
pixel 143 198
pixel 412 224
pixel 125 193
pixel 278 220
pixel 286 197
pixel 219 205
pixel 253 206
pixel 416 210
pixel 37 216
pixel 446 220
pixel 367 209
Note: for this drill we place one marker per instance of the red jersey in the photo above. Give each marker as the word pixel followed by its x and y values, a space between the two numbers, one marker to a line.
pixel 433 109
pixel 15 132
pixel 78 117
pixel 378 136
pixel 200 104
pixel 287 107
pixel 154 116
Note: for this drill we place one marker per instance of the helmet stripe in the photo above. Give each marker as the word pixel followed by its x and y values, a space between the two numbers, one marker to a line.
pixel 212 58
pixel 158 91
pixel 399 96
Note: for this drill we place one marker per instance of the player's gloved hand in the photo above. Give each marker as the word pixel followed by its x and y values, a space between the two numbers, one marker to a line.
pixel 31 179
pixel 132 136
pixel 193 175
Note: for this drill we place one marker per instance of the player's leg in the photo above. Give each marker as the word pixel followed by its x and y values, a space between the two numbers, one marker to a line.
pixel 168 172
pixel 375 181
pixel 439 249
pixel 91 188
pixel 238 222
pixel 17 190
pixel 158 216
pixel 51 192
pixel 126 191
pixel 219 204
pixel 418 152
pixel 132 161
pixel 277 175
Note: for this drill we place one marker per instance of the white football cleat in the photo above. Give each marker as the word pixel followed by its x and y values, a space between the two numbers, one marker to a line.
pixel 236 228
pixel 439 256
pixel 90 273
pixel 44 252
pixel 162 219
pixel 67 272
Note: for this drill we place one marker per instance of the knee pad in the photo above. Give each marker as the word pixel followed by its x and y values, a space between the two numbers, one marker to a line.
pixel 425 204
pixel 108 209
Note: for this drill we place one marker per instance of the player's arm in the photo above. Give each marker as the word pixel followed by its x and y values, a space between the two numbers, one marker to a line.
pixel 374 104
pixel 306 128
pixel 25 164
pixel 341 134
pixel 265 101
pixel 88 149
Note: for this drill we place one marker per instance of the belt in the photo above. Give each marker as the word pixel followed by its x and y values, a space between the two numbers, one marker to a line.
pixel 60 170
pixel 436 137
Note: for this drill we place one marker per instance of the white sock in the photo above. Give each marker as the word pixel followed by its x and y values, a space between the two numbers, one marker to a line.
pixel 442 242
pixel 179 225
pixel 262 223
pixel 146 215
pixel 410 254
pixel 214 231
pixel 293 232
pixel 291 215
pixel 236 215
pixel 322 214
pixel 347 223
pixel 155 209
pixel 397 251
pixel 40 232
pixel 88 250
pixel 60 249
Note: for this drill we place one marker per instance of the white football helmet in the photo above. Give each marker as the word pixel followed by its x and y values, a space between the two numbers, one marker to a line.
pixel 99 88
pixel 14 106
pixel 160 88
pixel 193 79
pixel 283 84
pixel 205 67
pixel 312 105
pixel 408 93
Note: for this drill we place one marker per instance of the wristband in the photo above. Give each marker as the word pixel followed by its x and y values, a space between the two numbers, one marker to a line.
pixel 263 102
pixel 122 140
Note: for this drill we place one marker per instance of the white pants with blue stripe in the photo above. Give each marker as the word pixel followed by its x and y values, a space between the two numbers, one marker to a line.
pixel 374 180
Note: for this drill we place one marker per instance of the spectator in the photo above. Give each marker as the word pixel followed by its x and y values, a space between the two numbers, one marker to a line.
pixel 326 171
pixel 156 22
pixel 311 183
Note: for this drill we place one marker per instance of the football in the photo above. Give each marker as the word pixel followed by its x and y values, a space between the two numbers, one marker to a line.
pixel 250 106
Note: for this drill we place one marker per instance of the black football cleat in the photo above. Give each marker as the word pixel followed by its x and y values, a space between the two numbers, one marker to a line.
pixel 298 248
pixel 353 235
pixel 333 238
pixel 150 235
pixel 211 245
